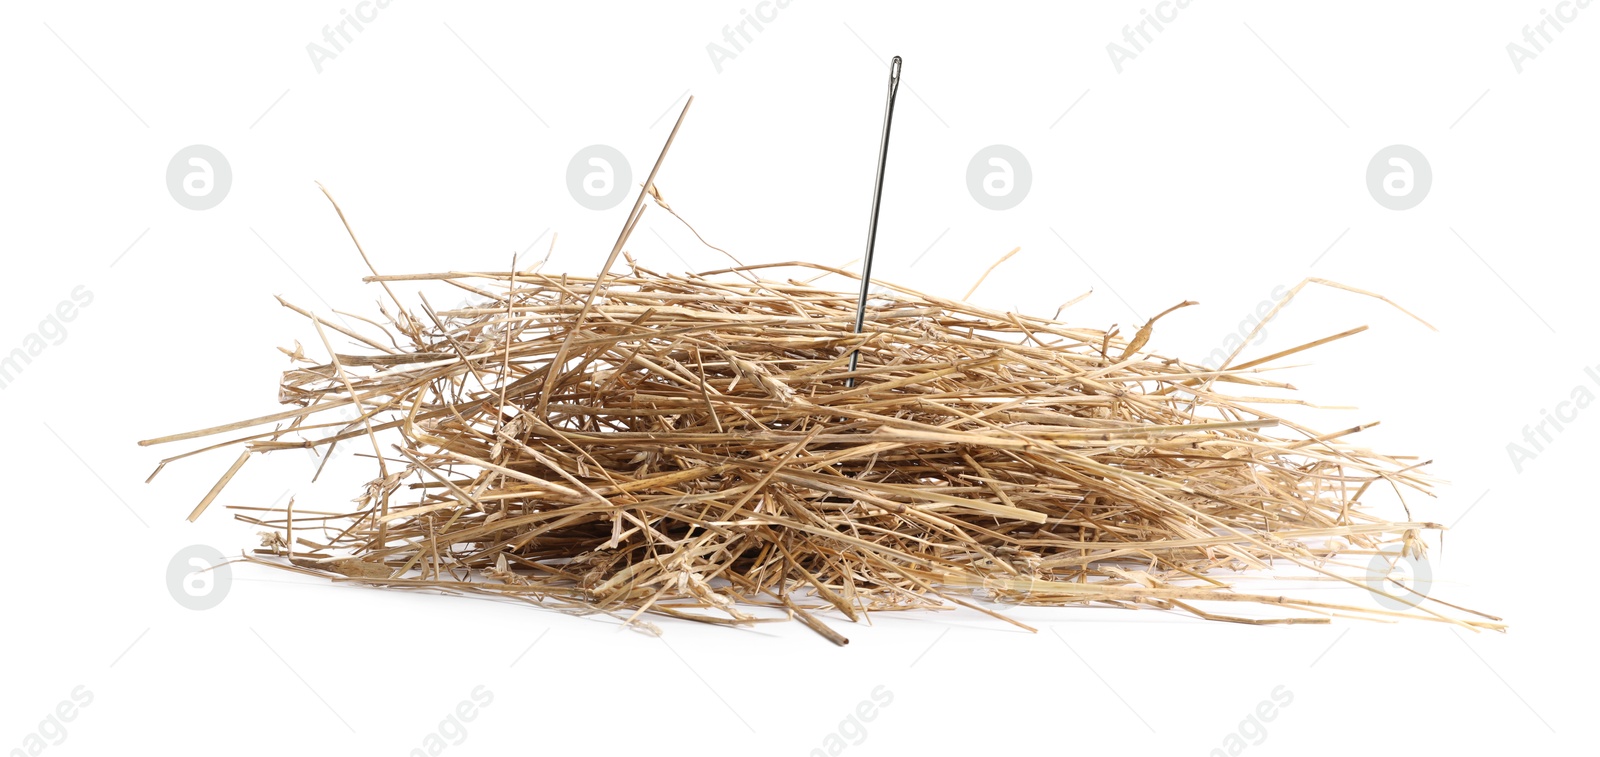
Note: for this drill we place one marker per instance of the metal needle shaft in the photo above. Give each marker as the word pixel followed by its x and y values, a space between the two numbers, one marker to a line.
pixel 877 200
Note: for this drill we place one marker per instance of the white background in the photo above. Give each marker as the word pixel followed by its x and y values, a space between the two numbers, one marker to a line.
pixel 1220 163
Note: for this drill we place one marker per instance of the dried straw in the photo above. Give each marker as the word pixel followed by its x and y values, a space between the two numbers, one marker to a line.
pixel 687 446
pixel 695 447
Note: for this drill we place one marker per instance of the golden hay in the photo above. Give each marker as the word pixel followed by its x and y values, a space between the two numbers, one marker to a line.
pixel 688 446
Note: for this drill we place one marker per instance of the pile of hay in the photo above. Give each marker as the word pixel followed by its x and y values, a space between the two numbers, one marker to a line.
pixel 694 446
pixel 697 447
